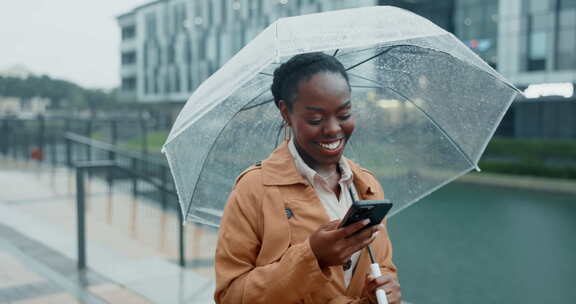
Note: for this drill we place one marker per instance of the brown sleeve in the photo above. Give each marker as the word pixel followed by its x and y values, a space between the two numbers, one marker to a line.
pixel 239 280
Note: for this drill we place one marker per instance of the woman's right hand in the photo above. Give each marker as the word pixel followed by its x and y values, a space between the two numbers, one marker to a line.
pixel 334 246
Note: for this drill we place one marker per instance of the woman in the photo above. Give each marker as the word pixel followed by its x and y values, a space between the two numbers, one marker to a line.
pixel 279 239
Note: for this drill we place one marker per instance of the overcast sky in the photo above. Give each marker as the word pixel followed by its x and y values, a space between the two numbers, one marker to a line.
pixel 76 40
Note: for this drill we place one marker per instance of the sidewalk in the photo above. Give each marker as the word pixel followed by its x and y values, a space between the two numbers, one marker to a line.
pixel 131 244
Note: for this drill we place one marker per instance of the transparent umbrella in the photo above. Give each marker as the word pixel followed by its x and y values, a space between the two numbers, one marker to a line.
pixel 425 106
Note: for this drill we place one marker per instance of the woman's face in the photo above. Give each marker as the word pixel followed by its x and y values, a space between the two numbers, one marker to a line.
pixel 321 119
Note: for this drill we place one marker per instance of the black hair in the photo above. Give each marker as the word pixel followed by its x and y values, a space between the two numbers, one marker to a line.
pixel 299 68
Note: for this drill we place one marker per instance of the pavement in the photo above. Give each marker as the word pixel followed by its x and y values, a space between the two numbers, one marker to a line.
pixel 132 245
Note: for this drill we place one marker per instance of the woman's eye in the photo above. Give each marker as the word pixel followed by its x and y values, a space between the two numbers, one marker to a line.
pixel 344 117
pixel 315 122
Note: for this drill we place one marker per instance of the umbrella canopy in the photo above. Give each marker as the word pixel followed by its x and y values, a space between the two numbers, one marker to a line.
pixel 425 106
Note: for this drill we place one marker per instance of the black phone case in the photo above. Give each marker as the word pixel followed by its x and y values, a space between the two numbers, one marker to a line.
pixel 375 210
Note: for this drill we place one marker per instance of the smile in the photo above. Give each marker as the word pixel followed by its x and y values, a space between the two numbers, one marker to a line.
pixel 332 146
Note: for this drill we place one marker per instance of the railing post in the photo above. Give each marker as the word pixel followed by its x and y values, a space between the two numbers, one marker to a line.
pixel 5 137
pixel 80 215
pixel 89 135
pixel 53 149
pixel 163 192
pixel 68 143
pixel 27 146
pixel 144 132
pixel 134 177
pixel 114 138
pixel 41 134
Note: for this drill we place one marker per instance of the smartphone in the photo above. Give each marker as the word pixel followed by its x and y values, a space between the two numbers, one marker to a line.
pixel 375 210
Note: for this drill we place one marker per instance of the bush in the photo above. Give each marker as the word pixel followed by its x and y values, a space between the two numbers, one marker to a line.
pixel 548 158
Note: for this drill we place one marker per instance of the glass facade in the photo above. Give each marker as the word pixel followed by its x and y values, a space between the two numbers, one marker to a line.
pixel 566 35
pixel 476 23
pixel 128 32
pixel 539 23
pixel 550 35
pixel 128 58
pixel 181 43
pixel 441 12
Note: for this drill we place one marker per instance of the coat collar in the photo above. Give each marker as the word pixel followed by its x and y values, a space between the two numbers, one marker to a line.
pixel 279 170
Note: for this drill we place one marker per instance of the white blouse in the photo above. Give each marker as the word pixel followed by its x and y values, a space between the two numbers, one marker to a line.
pixel 336 207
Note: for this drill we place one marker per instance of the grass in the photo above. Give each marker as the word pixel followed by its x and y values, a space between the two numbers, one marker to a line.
pixel 155 141
pixel 547 158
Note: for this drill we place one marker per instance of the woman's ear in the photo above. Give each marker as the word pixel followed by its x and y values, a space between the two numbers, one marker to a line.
pixel 284 112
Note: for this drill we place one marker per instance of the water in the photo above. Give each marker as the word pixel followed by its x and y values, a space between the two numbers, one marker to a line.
pixel 476 244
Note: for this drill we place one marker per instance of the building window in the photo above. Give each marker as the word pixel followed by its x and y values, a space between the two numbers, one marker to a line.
pixel 151 25
pixel 129 83
pixel 539 24
pixel 566 35
pixel 128 58
pixel 179 17
pixel 128 32
pixel 476 23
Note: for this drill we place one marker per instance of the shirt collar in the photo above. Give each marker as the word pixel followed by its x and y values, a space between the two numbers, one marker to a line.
pixel 279 169
pixel 309 173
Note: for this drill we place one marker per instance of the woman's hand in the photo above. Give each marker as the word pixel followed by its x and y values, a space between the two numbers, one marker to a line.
pixel 387 282
pixel 334 246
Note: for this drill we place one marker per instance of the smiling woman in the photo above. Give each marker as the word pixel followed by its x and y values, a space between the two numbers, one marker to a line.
pixel 279 240
pixel 321 120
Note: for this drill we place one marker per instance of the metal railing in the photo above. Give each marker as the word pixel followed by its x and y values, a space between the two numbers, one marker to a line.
pixel 81 169
pixel 87 155
pixel 70 143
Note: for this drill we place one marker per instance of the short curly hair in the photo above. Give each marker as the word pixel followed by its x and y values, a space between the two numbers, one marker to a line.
pixel 299 68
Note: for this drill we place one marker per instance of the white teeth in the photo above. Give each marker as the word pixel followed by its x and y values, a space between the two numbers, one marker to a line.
pixel 331 146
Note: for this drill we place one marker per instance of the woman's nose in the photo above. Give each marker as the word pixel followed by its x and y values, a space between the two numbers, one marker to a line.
pixel 332 128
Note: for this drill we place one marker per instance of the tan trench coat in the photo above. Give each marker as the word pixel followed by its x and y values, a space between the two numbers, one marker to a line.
pixel 265 257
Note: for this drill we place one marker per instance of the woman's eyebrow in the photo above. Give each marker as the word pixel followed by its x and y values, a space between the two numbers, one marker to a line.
pixel 345 105
pixel 316 109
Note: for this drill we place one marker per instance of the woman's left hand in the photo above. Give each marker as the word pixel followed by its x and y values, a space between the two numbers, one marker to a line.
pixel 388 282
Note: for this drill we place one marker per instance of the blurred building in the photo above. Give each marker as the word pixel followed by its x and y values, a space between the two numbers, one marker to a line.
pixel 23 107
pixel 531 42
pixel 170 46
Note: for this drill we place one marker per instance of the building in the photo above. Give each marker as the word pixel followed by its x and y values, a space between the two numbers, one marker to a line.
pixel 21 107
pixel 29 107
pixel 531 42
pixel 170 46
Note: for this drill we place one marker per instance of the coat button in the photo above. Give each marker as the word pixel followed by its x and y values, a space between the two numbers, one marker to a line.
pixel 347 265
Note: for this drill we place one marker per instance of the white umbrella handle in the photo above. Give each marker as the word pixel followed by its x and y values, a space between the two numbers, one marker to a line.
pixel 380 293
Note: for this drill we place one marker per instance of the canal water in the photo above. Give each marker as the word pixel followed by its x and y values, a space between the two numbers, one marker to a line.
pixel 477 244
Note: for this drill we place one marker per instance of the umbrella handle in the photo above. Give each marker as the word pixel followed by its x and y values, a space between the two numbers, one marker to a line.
pixel 380 293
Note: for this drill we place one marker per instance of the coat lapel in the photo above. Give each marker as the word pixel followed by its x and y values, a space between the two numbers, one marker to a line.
pixel 308 213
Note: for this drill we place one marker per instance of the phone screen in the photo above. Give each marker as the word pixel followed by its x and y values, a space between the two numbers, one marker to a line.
pixel 375 210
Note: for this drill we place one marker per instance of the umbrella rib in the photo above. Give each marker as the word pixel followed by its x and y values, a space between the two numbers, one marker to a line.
pixel 377 55
pixel 434 122
pixel 257 105
pixel 278 134
pixel 336 52
pixel 437 125
pixel 267 74
pixel 365 87
pixel 212 147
